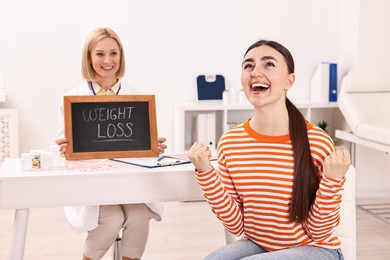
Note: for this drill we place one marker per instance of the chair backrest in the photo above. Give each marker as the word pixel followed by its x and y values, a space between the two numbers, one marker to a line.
pixel 346 230
pixel 364 97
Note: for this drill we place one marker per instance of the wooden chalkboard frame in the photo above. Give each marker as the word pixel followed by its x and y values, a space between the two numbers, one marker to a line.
pixel 72 155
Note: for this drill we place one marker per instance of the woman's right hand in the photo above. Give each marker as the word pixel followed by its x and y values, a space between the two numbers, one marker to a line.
pixel 200 154
pixel 63 144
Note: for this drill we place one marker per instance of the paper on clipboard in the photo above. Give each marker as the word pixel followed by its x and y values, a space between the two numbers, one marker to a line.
pixel 164 160
pixel 153 162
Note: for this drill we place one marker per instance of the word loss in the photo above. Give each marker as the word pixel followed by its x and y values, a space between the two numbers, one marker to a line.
pixel 112 123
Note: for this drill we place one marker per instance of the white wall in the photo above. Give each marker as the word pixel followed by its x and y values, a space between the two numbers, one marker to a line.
pixel 349 35
pixel 2 27
pixel 374 37
pixel 167 44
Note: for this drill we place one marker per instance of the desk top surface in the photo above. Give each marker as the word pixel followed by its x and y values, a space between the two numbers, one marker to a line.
pixel 11 170
pixel 122 183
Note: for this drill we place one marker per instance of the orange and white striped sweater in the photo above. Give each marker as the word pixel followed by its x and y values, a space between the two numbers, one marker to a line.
pixel 251 193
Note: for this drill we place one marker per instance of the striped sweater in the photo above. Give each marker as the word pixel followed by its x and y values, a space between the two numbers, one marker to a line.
pixel 251 193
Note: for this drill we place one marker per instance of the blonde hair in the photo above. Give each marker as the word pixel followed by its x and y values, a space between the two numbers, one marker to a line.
pixel 88 73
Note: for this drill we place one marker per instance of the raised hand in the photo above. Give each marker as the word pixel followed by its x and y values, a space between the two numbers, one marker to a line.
pixel 337 163
pixel 200 154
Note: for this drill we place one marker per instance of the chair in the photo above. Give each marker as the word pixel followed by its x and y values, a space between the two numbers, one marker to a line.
pixel 364 101
pixel 117 250
pixel 346 230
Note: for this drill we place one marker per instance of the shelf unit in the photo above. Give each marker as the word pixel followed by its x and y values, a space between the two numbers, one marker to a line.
pixel 231 114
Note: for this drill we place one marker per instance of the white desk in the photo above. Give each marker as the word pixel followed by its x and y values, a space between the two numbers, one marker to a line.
pixel 22 190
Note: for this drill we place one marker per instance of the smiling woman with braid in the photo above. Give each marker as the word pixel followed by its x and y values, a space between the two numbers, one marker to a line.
pixel 280 179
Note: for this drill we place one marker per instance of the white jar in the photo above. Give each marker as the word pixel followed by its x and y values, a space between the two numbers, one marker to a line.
pixel 55 156
pixel 26 161
pixel 233 95
pixel 225 97
pixel 36 159
pixel 45 160
pixel 241 97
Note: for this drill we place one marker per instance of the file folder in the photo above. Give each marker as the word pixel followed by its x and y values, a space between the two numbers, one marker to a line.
pixel 332 82
pixel 205 130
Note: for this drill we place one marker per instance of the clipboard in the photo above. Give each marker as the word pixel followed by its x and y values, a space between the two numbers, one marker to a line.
pixel 210 86
pixel 153 162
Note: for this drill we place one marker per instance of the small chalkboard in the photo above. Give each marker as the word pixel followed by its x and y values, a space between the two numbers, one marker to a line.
pixel 112 126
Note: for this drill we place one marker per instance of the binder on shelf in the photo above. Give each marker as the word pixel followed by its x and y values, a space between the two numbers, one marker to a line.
pixel 205 129
pixel 324 83
pixel 332 82
pixel 210 87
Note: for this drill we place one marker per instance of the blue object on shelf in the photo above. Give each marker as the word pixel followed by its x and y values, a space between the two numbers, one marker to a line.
pixel 333 82
pixel 210 86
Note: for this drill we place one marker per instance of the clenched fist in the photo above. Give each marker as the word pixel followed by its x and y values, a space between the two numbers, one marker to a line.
pixel 337 163
pixel 200 154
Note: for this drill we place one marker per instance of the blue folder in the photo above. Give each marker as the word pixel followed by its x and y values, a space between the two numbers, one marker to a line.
pixel 333 82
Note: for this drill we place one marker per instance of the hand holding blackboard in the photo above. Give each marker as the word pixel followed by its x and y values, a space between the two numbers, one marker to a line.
pixel 110 126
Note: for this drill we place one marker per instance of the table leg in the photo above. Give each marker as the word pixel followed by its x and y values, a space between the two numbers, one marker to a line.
pixel 19 234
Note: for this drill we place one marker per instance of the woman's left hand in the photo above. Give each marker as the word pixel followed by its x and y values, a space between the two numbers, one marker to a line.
pixel 336 164
pixel 63 144
pixel 161 145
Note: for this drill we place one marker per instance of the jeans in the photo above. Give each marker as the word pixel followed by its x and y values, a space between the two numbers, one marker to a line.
pixel 245 249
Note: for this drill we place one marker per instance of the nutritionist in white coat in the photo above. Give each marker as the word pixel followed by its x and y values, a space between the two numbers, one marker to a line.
pixel 103 66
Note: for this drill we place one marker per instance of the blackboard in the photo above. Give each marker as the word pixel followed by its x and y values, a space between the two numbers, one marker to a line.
pixel 113 126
